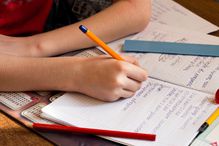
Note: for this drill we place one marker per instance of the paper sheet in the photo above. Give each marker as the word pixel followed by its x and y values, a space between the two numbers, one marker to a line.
pixel 213 136
pixel 172 112
pixel 173 14
pixel 201 73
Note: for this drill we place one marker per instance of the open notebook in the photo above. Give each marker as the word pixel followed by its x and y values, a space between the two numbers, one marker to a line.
pixel 172 112
pixel 171 109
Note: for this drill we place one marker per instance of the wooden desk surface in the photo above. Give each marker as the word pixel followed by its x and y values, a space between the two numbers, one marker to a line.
pixel 207 9
pixel 14 134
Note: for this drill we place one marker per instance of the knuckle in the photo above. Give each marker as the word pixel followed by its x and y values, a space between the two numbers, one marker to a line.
pixel 119 66
pixel 117 82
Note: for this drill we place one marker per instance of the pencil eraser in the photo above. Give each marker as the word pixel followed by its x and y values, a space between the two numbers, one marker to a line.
pixel 217 97
pixel 83 28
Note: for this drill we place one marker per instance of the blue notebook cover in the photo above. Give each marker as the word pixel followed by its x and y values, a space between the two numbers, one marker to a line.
pixel 171 48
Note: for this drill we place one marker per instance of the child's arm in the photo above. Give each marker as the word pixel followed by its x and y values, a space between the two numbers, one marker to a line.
pixel 100 77
pixel 123 17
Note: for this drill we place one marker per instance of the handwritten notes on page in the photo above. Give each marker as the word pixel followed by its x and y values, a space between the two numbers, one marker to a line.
pixel 173 14
pixel 172 112
pixel 201 73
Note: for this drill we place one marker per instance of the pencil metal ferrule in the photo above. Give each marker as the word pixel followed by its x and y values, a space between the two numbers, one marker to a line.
pixel 203 127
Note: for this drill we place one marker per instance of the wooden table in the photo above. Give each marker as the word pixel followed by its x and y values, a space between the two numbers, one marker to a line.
pixel 13 134
pixel 207 9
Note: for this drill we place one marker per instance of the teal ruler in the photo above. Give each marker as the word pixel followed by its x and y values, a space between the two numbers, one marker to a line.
pixel 171 48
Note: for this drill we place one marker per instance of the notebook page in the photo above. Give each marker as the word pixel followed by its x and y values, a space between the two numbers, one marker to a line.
pixel 174 113
pixel 173 14
pixel 200 73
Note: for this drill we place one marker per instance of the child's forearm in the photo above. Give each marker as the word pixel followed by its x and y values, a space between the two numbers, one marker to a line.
pixel 27 74
pixel 100 77
pixel 122 18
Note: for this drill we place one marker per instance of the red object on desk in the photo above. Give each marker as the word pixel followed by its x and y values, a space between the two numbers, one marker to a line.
pixel 61 128
pixel 217 97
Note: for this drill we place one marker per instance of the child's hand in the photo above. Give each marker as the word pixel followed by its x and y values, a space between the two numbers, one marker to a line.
pixel 108 79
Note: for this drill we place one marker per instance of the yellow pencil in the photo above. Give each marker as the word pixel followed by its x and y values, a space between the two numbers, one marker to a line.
pixel 209 121
pixel 93 37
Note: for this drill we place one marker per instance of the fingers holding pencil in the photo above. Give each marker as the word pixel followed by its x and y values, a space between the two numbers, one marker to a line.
pixel 124 78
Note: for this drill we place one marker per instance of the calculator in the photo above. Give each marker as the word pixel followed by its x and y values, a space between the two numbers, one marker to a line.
pixel 16 100
pixel 33 114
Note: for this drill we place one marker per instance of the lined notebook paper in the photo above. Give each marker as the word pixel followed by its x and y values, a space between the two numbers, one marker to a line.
pixel 172 112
